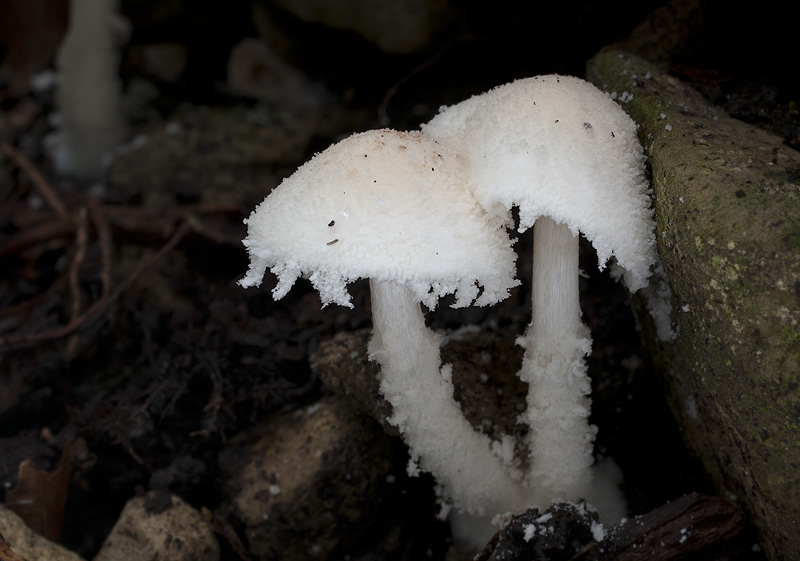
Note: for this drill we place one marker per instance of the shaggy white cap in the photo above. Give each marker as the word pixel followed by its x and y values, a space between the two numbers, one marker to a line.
pixel 386 205
pixel 557 146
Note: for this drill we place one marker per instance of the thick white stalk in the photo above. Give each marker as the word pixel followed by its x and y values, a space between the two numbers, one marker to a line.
pixel 420 390
pixel 554 366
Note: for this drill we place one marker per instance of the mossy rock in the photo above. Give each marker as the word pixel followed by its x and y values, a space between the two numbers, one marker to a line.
pixel 727 208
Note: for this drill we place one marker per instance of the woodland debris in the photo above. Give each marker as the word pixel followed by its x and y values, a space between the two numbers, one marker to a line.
pixel 159 526
pixel 26 545
pixel 92 224
pixel 314 482
pixel 695 527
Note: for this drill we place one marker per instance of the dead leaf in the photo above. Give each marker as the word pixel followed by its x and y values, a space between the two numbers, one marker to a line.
pixel 39 496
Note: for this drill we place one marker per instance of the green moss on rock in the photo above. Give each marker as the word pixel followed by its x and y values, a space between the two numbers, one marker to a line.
pixel 727 208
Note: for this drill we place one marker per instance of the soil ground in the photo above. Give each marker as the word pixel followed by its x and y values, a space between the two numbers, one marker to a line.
pixel 133 351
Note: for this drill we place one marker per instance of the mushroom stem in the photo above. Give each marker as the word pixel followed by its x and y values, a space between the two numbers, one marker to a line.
pixel 467 466
pixel 555 307
pixel 555 345
pixel 89 93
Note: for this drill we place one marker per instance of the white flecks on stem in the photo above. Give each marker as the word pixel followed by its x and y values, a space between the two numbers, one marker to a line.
pixel 420 390
pixel 560 439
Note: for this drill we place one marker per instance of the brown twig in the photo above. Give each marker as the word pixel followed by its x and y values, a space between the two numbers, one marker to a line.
pixel 38 180
pixel 171 223
pixel 35 235
pixel 96 309
pixel 220 526
pixel 74 278
pixel 105 241
pixel 134 220
pixel 81 239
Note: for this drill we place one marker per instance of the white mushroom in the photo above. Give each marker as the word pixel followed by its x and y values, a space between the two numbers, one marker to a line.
pixel 394 207
pixel 567 155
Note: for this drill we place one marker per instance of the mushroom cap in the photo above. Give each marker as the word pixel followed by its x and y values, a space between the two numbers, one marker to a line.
pixel 386 205
pixel 557 146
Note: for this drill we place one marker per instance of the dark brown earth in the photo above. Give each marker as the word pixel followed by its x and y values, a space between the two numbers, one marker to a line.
pixel 129 357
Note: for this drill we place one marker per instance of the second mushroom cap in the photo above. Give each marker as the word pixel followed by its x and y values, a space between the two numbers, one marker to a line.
pixel 557 146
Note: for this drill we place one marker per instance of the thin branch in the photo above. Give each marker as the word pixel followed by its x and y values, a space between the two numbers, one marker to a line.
pixel 96 309
pixel 105 241
pixel 33 236
pixel 36 178
pixel 81 238
pixel 74 277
